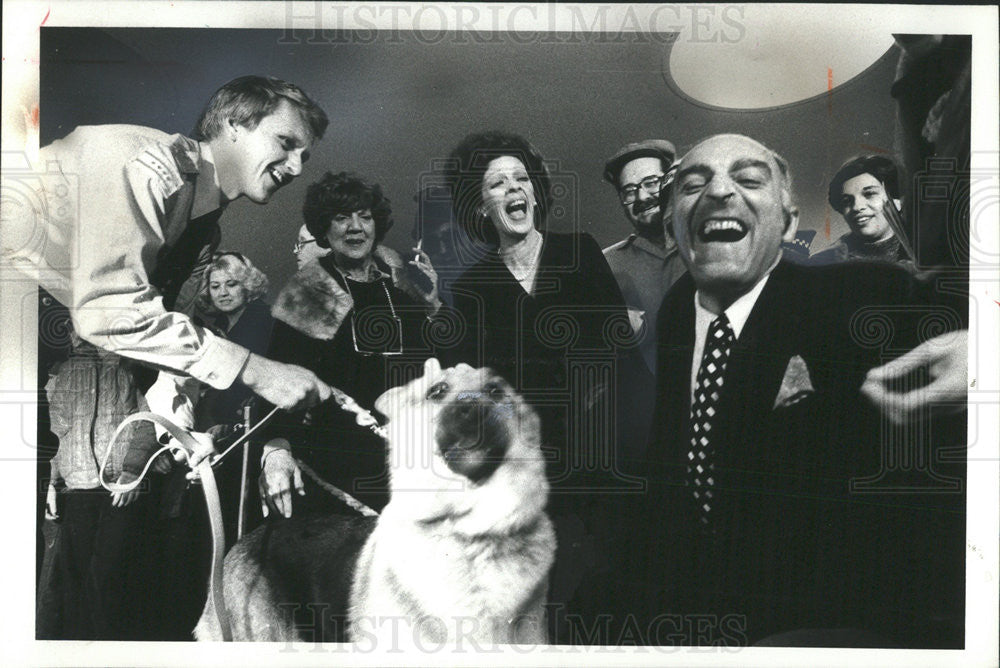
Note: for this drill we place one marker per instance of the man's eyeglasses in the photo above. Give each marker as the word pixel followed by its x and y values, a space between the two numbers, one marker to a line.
pixel 651 184
pixel 301 244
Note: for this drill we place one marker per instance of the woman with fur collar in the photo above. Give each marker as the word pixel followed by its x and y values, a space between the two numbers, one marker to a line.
pixel 356 317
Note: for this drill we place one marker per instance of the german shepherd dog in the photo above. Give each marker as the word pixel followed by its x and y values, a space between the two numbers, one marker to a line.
pixel 462 550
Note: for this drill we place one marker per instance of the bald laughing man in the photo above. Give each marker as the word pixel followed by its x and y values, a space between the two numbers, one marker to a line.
pixel 775 516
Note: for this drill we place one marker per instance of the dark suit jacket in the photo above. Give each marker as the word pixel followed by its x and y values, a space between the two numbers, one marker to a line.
pixel 795 545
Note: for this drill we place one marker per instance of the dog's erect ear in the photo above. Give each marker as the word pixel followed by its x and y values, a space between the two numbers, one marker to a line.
pixel 431 368
pixel 384 404
pixel 388 398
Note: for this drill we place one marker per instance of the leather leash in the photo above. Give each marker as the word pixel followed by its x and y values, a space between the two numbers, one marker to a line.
pixel 185 444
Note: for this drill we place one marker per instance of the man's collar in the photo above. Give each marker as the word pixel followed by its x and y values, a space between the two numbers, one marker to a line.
pixel 187 154
pixel 645 244
pixel 198 159
pixel 738 311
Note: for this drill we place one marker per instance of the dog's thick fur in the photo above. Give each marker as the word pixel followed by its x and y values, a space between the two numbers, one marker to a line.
pixel 461 552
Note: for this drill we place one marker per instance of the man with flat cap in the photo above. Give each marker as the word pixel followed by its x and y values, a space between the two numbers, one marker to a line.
pixel 645 263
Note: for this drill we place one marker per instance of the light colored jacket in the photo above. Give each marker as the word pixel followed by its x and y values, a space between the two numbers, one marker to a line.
pixel 89 395
pixel 109 198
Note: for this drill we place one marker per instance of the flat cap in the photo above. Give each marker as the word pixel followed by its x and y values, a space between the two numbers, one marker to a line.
pixel 654 148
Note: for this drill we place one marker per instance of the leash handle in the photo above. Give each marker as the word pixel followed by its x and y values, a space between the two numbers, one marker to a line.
pixel 246 434
pixel 182 443
pixel 186 445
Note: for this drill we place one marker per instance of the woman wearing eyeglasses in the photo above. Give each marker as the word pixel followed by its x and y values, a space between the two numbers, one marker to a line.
pixel 543 310
pixel 356 318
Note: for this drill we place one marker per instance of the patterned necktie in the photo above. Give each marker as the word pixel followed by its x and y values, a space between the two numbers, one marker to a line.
pixel 708 388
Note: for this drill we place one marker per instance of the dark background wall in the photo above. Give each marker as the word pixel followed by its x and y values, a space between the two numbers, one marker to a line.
pixel 398 105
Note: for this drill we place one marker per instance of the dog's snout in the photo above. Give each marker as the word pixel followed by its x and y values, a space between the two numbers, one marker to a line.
pixel 472 433
pixel 468 408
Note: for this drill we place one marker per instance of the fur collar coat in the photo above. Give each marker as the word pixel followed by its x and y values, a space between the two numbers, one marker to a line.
pixel 316 303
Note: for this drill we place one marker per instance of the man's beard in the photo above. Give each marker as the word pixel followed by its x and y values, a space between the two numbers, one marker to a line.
pixel 654 226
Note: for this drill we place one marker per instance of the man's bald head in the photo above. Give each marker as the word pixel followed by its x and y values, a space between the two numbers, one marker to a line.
pixel 732 209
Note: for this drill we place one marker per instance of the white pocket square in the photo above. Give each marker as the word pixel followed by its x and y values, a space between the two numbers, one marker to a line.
pixel 796 384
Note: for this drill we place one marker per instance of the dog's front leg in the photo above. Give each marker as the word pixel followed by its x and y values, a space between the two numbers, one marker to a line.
pixel 530 627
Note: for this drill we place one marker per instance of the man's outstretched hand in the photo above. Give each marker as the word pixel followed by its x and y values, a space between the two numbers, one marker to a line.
pixel 286 386
pixel 946 359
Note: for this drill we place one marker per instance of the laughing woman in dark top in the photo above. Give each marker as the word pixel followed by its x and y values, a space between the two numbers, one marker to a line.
pixel 356 317
pixel 544 310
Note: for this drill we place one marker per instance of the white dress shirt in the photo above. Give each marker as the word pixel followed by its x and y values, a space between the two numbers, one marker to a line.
pixel 738 312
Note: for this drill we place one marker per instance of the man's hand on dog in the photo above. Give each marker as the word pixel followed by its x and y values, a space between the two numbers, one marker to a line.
pixel 280 476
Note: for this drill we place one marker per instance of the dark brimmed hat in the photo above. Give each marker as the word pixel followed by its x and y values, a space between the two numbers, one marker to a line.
pixel 882 168
pixel 653 148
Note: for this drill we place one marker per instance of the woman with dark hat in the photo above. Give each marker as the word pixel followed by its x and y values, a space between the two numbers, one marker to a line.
pixel 865 191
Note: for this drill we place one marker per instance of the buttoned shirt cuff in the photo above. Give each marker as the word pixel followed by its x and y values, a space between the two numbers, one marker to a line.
pixel 221 362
